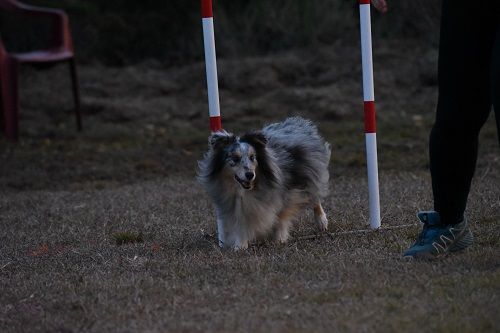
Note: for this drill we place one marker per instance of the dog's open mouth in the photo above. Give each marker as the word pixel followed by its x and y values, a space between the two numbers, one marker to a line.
pixel 247 185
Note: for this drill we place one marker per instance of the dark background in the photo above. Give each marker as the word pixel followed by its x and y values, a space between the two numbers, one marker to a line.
pixel 120 32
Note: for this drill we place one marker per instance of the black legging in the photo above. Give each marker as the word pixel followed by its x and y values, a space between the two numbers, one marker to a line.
pixel 469 84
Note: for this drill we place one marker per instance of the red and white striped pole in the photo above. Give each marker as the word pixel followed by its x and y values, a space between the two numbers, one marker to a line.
pixel 207 19
pixel 369 106
pixel 211 65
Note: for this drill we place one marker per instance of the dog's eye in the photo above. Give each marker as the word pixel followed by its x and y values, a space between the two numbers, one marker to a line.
pixel 252 158
pixel 235 159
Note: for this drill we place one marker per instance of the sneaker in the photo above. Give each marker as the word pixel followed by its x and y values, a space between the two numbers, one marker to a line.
pixel 437 239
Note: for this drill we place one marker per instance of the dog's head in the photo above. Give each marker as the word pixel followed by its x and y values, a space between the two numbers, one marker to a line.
pixel 238 155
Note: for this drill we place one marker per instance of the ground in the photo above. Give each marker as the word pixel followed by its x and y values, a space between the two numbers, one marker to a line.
pixel 68 200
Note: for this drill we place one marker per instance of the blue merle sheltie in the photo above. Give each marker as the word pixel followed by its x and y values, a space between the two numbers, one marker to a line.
pixel 260 182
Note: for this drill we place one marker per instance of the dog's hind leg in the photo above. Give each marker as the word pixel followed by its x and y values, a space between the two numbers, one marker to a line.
pixel 285 218
pixel 320 217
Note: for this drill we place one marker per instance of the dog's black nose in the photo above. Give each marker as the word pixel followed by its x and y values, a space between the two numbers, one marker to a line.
pixel 249 175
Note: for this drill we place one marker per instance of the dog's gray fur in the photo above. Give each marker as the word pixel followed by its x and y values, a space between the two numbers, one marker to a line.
pixel 289 161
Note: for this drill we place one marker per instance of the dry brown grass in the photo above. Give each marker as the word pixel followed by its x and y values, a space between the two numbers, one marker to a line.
pixel 63 197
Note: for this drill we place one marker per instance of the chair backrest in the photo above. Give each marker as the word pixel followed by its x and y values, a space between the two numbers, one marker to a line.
pixel 61 34
pixel 10 4
pixel 3 51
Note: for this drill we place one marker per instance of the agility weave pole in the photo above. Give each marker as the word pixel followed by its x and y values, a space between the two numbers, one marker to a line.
pixel 207 19
pixel 369 108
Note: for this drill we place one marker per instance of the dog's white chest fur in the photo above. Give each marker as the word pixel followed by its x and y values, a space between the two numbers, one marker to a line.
pixel 250 215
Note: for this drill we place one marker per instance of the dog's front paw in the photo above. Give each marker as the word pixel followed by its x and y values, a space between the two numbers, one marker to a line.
pixel 240 246
pixel 321 222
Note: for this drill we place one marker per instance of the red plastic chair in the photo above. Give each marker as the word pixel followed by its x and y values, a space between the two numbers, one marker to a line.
pixel 60 50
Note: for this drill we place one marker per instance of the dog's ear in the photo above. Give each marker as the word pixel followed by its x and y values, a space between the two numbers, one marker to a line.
pixel 221 139
pixel 256 139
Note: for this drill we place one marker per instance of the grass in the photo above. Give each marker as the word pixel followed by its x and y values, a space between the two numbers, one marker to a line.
pixel 127 237
pixel 108 230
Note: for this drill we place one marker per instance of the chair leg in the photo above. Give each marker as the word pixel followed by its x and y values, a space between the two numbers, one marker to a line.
pixel 76 93
pixel 10 98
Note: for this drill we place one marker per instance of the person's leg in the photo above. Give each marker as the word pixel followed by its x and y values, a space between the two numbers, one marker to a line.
pixel 464 103
pixel 495 79
pixel 465 78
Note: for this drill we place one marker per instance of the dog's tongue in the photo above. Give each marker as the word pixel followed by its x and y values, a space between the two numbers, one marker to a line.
pixel 244 183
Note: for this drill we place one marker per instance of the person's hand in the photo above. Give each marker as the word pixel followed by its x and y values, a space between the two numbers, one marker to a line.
pixel 381 5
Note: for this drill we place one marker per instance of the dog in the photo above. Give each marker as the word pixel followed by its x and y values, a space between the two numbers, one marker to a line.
pixel 261 181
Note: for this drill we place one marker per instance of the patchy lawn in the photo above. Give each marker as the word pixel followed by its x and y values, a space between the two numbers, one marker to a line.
pixel 107 230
